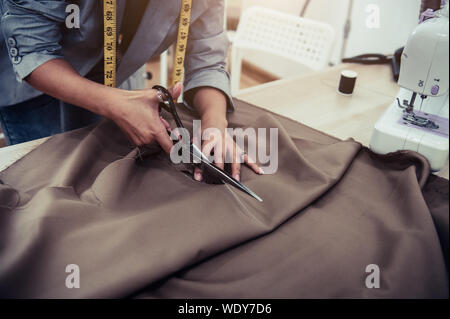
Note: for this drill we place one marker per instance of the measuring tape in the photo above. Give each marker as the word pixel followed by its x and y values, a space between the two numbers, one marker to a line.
pixel 110 41
pixel 183 33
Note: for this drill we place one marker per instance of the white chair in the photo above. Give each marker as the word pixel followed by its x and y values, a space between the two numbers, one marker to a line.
pixel 301 40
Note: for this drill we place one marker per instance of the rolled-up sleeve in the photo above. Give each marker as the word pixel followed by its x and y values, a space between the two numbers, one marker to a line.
pixel 32 31
pixel 207 52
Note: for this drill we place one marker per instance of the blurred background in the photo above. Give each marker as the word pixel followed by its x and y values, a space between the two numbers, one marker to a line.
pixel 360 26
pixel 354 22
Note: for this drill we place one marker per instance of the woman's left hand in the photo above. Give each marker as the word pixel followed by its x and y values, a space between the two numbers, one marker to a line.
pixel 224 147
pixel 211 104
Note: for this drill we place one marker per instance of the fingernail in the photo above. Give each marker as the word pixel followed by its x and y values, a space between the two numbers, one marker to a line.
pixel 237 177
pixel 261 172
pixel 198 177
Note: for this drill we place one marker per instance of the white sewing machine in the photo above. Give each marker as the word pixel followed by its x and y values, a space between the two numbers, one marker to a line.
pixel 418 119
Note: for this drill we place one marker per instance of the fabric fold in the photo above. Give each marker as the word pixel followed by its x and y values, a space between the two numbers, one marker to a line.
pixel 331 208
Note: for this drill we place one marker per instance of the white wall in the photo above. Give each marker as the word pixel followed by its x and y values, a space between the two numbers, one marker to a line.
pixel 397 20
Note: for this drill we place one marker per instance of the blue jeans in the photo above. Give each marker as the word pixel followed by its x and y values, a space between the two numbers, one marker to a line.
pixel 41 117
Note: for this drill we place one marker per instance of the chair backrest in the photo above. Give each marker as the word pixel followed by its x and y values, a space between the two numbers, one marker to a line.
pixel 301 40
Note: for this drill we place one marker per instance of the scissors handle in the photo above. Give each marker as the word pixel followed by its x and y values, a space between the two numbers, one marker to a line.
pixel 168 104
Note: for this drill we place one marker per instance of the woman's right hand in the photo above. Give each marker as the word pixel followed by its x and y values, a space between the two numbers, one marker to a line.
pixel 136 113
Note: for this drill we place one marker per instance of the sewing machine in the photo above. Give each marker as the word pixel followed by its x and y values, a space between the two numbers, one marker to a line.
pixel 418 119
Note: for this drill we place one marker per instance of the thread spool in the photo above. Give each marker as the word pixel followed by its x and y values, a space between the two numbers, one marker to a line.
pixel 347 82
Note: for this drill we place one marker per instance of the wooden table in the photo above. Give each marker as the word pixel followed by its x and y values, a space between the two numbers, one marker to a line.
pixel 311 99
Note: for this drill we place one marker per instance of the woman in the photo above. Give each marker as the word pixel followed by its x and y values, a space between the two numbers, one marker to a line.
pixel 41 54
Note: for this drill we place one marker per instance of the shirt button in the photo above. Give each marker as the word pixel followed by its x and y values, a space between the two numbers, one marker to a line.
pixel 12 42
pixel 16 59
pixel 14 52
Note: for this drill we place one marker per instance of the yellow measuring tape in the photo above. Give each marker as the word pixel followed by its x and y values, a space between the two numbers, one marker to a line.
pixel 110 41
pixel 183 33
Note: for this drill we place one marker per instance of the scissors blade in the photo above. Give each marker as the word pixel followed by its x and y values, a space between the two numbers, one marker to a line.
pixel 221 174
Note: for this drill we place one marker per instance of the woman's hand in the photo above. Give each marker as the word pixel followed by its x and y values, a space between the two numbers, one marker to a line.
pixel 211 104
pixel 224 149
pixel 136 113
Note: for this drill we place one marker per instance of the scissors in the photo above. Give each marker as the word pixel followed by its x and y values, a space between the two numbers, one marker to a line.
pixel 167 103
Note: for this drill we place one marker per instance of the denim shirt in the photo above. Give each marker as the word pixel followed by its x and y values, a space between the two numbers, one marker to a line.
pixel 34 32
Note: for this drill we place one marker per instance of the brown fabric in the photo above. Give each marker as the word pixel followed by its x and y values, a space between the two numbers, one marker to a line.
pixel 148 230
pixel 436 194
